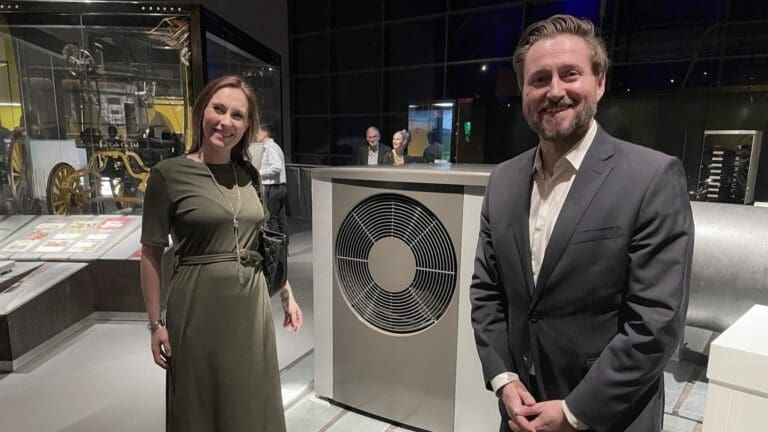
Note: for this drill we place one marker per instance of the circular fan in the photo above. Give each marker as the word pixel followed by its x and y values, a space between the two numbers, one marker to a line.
pixel 396 264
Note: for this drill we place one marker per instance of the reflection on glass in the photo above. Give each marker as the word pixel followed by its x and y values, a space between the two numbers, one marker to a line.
pixel 431 127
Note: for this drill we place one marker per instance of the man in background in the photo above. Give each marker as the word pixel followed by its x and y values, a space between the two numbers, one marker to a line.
pixel 375 153
pixel 273 177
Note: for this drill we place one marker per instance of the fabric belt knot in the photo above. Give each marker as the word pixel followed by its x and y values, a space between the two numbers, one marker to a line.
pixel 248 258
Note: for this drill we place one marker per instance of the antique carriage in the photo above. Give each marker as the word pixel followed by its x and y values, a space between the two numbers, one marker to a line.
pixel 92 95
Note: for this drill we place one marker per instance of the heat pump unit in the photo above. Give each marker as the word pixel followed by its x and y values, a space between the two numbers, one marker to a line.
pixel 393 259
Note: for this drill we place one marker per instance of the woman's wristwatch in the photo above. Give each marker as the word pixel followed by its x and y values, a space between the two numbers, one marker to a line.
pixel 154 325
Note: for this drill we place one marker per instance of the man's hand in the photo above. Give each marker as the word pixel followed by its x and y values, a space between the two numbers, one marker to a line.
pixel 547 417
pixel 516 397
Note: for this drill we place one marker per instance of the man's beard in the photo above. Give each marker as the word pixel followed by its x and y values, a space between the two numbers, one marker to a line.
pixel 550 128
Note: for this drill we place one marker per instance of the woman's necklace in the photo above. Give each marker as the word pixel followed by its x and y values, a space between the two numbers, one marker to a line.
pixel 235 212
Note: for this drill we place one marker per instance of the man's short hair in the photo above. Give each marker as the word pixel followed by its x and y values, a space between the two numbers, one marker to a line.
pixel 374 128
pixel 557 25
pixel 268 129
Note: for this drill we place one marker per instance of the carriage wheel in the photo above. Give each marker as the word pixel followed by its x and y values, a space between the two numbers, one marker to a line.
pixel 19 175
pixel 65 194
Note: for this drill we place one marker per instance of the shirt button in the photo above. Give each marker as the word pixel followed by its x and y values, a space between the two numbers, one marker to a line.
pixel 539 227
pixel 526 361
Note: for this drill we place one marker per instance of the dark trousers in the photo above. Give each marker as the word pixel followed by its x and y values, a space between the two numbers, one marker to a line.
pixel 276 197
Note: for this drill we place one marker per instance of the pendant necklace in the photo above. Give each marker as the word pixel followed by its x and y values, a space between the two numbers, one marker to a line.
pixel 235 212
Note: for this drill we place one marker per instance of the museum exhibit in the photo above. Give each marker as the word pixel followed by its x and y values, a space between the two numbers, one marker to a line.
pixel 428 267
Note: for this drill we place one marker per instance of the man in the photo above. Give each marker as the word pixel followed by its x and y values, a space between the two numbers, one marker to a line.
pixel 434 150
pixel 583 260
pixel 273 177
pixel 375 153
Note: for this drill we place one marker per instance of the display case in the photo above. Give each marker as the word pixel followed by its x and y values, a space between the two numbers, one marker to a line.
pixel 92 95
pixel 728 168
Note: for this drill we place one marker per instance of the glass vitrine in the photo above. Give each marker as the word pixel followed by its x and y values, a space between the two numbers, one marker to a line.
pixel 92 95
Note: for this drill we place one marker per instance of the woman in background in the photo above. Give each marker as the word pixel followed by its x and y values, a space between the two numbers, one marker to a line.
pixel 400 141
pixel 223 374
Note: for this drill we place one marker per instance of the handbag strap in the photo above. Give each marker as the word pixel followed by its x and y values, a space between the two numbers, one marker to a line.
pixel 253 173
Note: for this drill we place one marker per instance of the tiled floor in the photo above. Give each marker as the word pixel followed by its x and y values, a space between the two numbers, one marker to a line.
pixel 102 378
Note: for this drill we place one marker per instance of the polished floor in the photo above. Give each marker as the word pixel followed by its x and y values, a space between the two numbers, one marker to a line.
pixel 101 378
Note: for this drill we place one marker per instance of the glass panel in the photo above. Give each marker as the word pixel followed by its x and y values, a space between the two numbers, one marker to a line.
pixel 310 137
pixel 745 10
pixel 465 4
pixel 484 34
pixel 431 126
pixel 358 93
pixel 308 15
pixel 657 12
pixel 635 78
pixel 309 55
pixel 225 58
pixel 482 79
pixel 414 43
pixel 537 11
pixel 310 95
pixel 349 136
pixel 91 106
pixel 409 86
pixel 409 8
pixel 355 12
pixel 357 49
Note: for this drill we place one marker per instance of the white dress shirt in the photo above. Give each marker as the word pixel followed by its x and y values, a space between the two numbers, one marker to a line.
pixel 373 156
pixel 548 195
pixel 256 151
pixel 272 163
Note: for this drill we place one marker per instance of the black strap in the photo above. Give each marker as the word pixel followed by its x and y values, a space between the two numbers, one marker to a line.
pixel 253 173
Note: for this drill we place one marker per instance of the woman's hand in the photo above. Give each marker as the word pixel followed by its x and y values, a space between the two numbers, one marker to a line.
pixel 291 311
pixel 161 347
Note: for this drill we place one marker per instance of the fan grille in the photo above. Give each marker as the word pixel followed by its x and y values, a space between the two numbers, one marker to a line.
pixel 396 263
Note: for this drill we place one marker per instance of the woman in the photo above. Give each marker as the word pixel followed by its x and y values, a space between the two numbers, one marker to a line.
pixel 400 148
pixel 223 373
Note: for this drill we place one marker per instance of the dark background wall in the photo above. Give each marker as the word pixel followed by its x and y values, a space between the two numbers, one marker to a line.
pixel 679 68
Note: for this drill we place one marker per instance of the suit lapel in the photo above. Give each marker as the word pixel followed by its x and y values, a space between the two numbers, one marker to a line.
pixel 520 205
pixel 593 171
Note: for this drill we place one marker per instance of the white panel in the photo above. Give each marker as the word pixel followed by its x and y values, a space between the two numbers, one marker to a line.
pixel 322 281
pixel 747 411
pixel 475 408
pixel 742 350
pixel 718 408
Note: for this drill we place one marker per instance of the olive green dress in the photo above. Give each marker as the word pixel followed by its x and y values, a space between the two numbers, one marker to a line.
pixel 223 374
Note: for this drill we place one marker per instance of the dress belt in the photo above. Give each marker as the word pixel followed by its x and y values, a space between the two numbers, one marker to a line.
pixel 248 258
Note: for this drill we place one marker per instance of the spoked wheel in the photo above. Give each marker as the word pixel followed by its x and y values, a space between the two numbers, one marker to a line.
pixel 65 194
pixel 19 175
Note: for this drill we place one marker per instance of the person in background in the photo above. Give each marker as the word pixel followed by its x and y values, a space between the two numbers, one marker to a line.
pixel 273 176
pixel 374 153
pixel 218 340
pixel 583 260
pixel 434 150
pixel 400 141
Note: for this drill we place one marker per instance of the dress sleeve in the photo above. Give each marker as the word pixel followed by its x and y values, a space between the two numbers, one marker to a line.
pixel 155 221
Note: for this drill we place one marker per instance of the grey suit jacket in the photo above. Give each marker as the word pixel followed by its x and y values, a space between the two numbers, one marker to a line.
pixel 609 306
